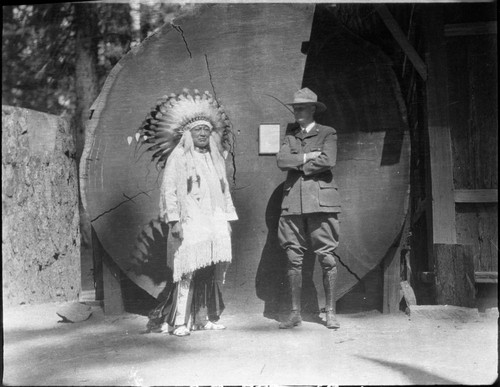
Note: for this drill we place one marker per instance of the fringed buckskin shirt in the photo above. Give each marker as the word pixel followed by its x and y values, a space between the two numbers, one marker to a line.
pixel 204 207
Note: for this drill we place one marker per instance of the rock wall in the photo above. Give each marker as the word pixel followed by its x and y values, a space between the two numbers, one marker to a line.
pixel 40 219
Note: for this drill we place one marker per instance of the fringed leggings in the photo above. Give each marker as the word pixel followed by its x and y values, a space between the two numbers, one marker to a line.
pixel 195 299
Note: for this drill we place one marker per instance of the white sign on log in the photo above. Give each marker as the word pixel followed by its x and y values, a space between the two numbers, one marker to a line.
pixel 269 139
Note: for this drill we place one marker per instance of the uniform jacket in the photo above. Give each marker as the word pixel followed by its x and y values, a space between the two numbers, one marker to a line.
pixel 309 187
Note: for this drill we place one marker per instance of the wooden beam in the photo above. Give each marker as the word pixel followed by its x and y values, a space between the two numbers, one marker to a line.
pixel 400 37
pixel 420 210
pixel 486 277
pixel 113 297
pixel 392 278
pixel 441 195
pixel 391 265
pixel 463 29
pixel 479 276
pixel 108 287
pixel 476 196
pixel 408 293
pixel 443 312
pixel 97 254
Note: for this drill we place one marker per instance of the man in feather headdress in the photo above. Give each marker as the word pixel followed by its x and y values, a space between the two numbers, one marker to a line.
pixel 190 134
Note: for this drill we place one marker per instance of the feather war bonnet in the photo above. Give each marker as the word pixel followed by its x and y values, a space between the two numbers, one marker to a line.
pixel 164 126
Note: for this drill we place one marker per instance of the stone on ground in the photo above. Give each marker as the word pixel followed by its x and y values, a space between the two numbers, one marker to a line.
pixel 74 312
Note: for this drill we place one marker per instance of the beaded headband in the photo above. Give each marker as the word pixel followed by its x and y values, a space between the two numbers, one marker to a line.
pixel 199 121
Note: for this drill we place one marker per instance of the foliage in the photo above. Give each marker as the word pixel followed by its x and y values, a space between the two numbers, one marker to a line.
pixel 38 56
pixel 39 49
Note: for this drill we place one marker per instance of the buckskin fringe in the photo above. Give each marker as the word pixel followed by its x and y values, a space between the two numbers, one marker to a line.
pixel 189 258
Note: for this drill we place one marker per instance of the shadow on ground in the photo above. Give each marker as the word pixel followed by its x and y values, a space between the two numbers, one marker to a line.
pixel 415 375
pixel 50 354
pixel 112 350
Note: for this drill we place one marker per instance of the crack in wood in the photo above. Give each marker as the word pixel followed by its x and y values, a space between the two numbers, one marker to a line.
pixel 211 79
pixel 350 271
pixel 123 202
pixel 179 30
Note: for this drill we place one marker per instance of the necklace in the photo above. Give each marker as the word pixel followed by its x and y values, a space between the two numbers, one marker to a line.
pixel 201 150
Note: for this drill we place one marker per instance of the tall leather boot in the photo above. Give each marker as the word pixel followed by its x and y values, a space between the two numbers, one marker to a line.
pixel 295 286
pixel 329 279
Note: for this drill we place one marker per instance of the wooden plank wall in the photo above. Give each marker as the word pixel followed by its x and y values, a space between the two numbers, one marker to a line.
pixel 454 275
pixel 473 93
pixel 477 225
pixel 463 139
pixel 453 120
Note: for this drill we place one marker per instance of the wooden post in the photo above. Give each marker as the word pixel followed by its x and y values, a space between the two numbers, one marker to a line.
pixel 440 201
pixel 392 279
pixel 108 279
pixel 440 153
pixel 392 270
pixel 113 299
pixel 455 283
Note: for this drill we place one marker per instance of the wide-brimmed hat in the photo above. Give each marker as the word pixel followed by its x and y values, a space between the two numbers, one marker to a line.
pixel 307 96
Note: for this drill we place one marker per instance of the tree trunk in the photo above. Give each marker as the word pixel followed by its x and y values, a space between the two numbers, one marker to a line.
pixel 135 16
pixel 40 238
pixel 86 88
pixel 121 185
pixel 86 80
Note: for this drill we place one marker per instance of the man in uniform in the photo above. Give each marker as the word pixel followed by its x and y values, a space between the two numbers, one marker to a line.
pixel 311 202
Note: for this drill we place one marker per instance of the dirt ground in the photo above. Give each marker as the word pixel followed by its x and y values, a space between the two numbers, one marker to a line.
pixel 370 348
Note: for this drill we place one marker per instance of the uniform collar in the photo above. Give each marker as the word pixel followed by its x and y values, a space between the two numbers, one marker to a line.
pixel 309 127
pixel 311 132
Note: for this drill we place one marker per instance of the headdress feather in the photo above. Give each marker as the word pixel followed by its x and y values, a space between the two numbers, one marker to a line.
pixel 165 124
